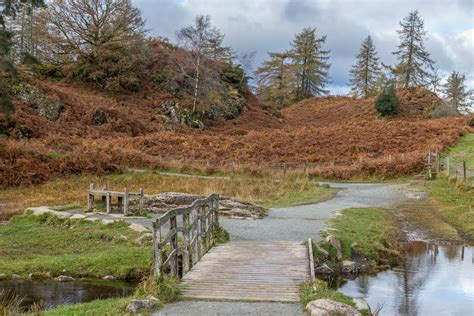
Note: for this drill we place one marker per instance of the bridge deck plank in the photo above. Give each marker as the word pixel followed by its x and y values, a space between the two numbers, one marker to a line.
pixel 249 271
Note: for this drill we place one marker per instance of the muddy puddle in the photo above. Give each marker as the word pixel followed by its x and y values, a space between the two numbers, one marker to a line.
pixel 51 294
pixel 435 280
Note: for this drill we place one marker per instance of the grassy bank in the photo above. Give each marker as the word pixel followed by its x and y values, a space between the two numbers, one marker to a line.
pixel 455 204
pixel 267 191
pixel 372 232
pixel 73 247
pixel 111 306
pixel 463 150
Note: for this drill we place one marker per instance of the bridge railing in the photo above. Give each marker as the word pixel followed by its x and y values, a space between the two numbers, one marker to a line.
pixel 189 235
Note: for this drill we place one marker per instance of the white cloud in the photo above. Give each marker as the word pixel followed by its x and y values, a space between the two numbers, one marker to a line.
pixel 269 25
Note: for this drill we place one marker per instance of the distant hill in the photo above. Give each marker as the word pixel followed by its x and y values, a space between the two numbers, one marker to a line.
pixel 99 132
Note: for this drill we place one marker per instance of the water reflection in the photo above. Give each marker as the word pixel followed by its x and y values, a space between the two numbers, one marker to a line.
pixel 435 280
pixel 50 294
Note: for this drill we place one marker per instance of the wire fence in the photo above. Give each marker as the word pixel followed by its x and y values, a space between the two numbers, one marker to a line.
pixel 454 168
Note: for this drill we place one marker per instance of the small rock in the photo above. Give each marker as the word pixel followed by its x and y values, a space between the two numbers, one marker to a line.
pixel 91 219
pixel 138 228
pixel 135 306
pixel 324 269
pixel 334 241
pixel 78 216
pixel 326 307
pixel 64 278
pixel 16 276
pixel 143 237
pixel 108 221
pixel 123 237
pixel 49 274
pixel 108 278
pixel 349 267
pixel 361 303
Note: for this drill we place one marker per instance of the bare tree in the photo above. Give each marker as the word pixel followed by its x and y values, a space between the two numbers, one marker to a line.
pixel 457 93
pixel 102 39
pixel 197 39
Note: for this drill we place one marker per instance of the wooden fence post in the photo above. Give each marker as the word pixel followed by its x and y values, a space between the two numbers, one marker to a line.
pixel 447 166
pixel 107 202
pixel 195 236
pixel 157 254
pixel 125 202
pixel 185 243
pixel 90 198
pixel 203 234
pixel 174 248
pixel 464 171
pixel 142 198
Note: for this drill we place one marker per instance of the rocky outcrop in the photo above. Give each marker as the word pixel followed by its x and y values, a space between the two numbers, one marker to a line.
pixel 46 105
pixel 336 243
pixel 326 307
pixel 64 278
pixel 136 306
pixel 163 202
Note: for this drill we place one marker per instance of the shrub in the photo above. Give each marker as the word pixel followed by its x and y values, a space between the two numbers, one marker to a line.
pixel 471 122
pixel 387 102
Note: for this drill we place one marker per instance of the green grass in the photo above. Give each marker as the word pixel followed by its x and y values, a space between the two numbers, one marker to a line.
pixel 463 150
pixel 111 306
pixel 455 204
pixel 374 230
pixel 35 244
pixel 310 195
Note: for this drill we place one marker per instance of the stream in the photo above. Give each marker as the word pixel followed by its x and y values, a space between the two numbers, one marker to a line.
pixel 49 294
pixel 435 280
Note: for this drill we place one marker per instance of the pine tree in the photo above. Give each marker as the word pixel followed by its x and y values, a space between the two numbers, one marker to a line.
pixel 456 92
pixel 275 82
pixel 365 74
pixel 413 59
pixel 309 63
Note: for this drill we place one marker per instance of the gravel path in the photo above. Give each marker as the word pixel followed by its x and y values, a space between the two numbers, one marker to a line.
pixel 291 223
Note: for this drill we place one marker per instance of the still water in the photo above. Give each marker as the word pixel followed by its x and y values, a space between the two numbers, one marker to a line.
pixel 435 280
pixel 51 294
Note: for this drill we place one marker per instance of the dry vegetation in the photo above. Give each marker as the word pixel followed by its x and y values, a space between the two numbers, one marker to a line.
pixel 339 137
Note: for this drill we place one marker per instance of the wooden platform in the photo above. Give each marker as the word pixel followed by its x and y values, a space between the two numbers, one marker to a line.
pixel 249 271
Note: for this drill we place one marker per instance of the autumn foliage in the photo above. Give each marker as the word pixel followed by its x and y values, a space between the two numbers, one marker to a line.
pixel 337 137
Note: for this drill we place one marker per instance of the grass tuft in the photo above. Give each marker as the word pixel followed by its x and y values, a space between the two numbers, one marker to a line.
pixel 318 289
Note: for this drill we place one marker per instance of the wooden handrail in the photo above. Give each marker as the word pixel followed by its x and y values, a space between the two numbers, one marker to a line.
pixel 195 224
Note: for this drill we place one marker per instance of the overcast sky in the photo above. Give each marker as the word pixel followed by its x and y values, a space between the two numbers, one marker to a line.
pixel 270 25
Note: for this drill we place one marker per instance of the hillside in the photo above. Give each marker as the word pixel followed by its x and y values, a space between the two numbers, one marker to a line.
pixel 337 137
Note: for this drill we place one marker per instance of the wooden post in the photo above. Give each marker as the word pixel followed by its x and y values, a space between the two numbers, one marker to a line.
pixel 174 247
pixel 403 157
pixel 284 169
pixel 195 236
pixel 157 252
pixel 107 202
pixel 142 198
pixel 311 260
pixel 447 166
pixel 389 158
pixel 90 198
pixel 464 171
pixel 216 212
pixel 203 234
pixel 125 202
pixel 185 243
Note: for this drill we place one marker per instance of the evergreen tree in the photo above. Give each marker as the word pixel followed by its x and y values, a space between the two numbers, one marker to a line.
pixel 275 82
pixel 366 72
pixel 456 92
pixel 413 59
pixel 387 102
pixel 309 63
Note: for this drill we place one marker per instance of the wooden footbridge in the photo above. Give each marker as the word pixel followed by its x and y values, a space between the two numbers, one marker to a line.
pixel 236 270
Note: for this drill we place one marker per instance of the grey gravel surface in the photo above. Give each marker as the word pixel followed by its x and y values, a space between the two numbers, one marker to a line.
pixel 203 308
pixel 302 222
